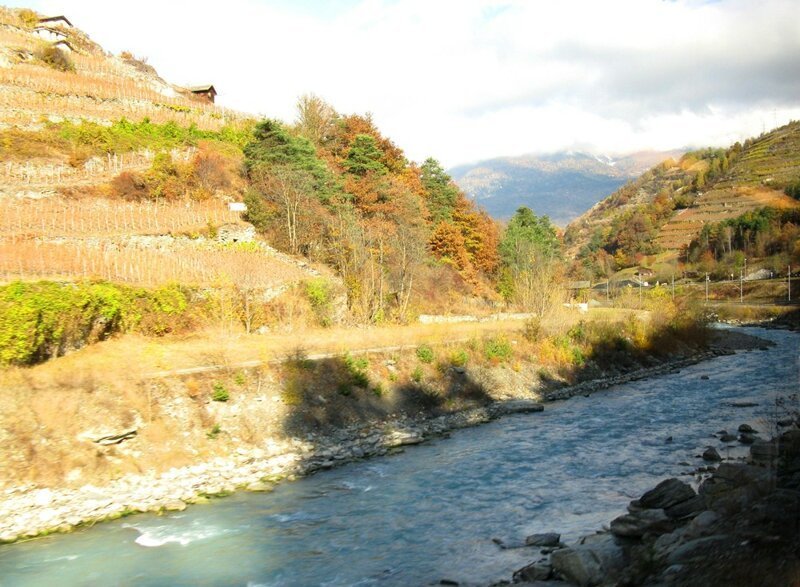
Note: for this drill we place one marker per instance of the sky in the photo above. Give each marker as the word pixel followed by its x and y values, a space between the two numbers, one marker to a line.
pixel 465 80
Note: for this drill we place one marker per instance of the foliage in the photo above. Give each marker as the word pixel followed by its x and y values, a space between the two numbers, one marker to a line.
pixel 497 349
pixel 357 370
pixel 417 374
pixel 528 238
pixel 319 294
pixel 425 354
pixel 364 157
pixel 47 319
pixel 56 58
pixel 459 358
pixel 441 193
pixel 219 393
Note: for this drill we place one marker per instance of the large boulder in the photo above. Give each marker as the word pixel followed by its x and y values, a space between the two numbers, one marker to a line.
pixel 711 454
pixel 686 508
pixel 534 572
pixel 596 561
pixel 546 539
pixel 637 524
pixel 667 494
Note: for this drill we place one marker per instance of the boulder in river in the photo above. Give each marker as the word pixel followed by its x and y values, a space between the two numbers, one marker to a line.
pixel 666 494
pixel 597 560
pixel 711 454
pixel 747 429
pixel 636 525
pixel 546 539
pixel 534 572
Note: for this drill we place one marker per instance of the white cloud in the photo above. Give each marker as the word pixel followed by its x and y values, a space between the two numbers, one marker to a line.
pixel 463 80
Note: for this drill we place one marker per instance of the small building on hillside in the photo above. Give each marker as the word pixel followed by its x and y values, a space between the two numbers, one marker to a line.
pixel 644 271
pixel 49 34
pixel 207 92
pixel 236 233
pixel 55 21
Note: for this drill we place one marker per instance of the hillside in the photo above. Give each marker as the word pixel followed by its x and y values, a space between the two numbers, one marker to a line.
pixel 670 206
pixel 560 185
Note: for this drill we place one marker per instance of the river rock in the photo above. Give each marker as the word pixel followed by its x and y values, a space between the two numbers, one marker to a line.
pixel 763 452
pixel 747 438
pixel 638 524
pixel 686 508
pixel 534 572
pixel 694 549
pixel 174 505
pixel 666 494
pixel 747 429
pixel 727 437
pixel 711 454
pixel 546 539
pixel 597 560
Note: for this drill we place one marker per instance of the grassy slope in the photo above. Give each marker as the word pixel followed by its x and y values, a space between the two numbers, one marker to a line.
pixel 754 180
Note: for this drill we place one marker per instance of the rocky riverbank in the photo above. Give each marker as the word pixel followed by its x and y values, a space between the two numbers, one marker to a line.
pixel 27 512
pixel 741 527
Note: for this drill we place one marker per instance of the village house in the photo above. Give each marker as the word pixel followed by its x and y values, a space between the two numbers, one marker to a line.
pixel 55 21
pixel 206 92
pixel 49 34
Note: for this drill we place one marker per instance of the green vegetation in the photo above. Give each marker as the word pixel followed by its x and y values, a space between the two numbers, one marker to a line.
pixel 45 319
pixel 497 349
pixel 219 393
pixel 425 354
pixel 215 431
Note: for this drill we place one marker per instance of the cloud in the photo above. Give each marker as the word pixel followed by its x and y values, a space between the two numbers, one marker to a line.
pixel 464 80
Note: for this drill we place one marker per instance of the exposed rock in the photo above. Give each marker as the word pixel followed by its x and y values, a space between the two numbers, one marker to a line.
pixel 260 486
pixel 640 523
pixel 534 572
pixel 597 560
pixel 546 539
pixel 175 505
pixel 693 548
pixel 763 452
pixel 747 438
pixel 711 454
pixel 746 428
pixel 667 494
pixel 728 437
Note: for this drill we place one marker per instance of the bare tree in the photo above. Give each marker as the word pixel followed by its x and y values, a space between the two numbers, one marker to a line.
pixel 293 191
pixel 315 118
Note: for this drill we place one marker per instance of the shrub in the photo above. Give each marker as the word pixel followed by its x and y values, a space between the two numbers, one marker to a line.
pixel 416 374
pixel 318 292
pixel 425 354
pixel 497 349
pixel 357 370
pixel 532 329
pixel 459 358
pixel 219 393
pixel 129 186
pixel 54 57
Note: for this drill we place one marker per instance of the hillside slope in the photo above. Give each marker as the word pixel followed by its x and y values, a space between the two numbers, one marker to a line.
pixel 560 185
pixel 671 203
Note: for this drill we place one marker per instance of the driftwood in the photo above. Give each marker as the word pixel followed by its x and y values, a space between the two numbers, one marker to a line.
pixel 116 438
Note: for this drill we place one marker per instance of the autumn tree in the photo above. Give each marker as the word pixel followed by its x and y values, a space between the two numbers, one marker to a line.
pixel 315 120
pixel 441 193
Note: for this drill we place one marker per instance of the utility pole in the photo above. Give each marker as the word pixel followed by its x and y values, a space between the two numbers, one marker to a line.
pixel 640 288
pixel 741 286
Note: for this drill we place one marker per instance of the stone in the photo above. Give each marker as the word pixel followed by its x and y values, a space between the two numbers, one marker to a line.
pixel 666 494
pixel 686 508
pixel 638 524
pixel 728 437
pixel 747 438
pixel 746 428
pixel 260 486
pixel 534 572
pixel 598 560
pixel 694 549
pixel 546 539
pixel 175 505
pixel 704 377
pixel 763 452
pixel 711 454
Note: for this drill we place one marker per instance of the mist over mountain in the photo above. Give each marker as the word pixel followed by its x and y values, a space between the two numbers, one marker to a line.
pixel 562 185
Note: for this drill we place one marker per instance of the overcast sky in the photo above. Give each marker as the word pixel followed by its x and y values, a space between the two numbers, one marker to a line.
pixel 464 80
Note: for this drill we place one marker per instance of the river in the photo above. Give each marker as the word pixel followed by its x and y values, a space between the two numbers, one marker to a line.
pixel 431 512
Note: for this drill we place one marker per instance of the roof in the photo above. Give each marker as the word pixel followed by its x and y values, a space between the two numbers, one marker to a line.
pixel 206 88
pixel 56 18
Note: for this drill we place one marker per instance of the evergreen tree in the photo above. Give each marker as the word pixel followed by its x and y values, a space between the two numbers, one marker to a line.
pixel 440 192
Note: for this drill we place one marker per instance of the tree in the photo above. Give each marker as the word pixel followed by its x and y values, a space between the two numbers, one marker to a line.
pixel 531 274
pixel 440 193
pixel 364 157
pixel 315 119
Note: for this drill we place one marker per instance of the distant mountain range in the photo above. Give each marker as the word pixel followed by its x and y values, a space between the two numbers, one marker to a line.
pixel 562 185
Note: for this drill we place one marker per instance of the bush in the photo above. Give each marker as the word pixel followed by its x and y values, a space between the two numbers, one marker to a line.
pixel 56 58
pixel 497 349
pixel 129 186
pixel 42 320
pixel 532 329
pixel 318 292
pixel 357 370
pixel 416 374
pixel 219 393
pixel 425 354
pixel 459 358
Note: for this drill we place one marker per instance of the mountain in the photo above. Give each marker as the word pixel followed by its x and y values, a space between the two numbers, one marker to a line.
pixel 562 185
pixel 666 208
